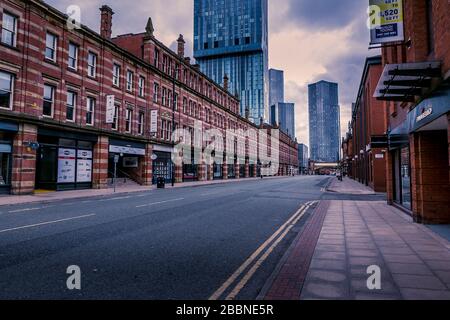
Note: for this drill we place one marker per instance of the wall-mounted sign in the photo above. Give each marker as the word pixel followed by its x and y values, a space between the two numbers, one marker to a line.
pixel 379 156
pixel 386 21
pixel 110 108
pixel 154 121
pixel 130 162
pixel 66 165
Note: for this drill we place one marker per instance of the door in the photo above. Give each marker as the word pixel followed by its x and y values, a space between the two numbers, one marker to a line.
pixel 46 171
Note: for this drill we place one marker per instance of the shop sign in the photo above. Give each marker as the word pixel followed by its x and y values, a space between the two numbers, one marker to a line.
pixel 126 150
pixel 110 108
pixel 84 166
pixel 379 156
pixel 154 121
pixel 386 21
pixel 66 165
pixel 428 112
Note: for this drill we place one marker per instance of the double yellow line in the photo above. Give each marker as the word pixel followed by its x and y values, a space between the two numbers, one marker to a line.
pixel 267 247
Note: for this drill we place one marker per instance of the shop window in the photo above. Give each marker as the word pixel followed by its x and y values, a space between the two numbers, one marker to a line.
pixel 70 107
pixel 9 29
pixel 49 98
pixel 73 56
pixel 67 143
pixel 6 90
pixel 90 111
pixel 92 64
pixel 85 145
pixel 5 168
pixel 50 46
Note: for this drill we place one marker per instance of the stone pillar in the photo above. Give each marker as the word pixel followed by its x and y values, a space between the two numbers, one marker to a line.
pixel 24 161
pixel 147 166
pixel 100 163
pixel 202 171
pixel 210 172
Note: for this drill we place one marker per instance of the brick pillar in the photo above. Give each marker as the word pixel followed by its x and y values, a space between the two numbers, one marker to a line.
pixel 389 177
pixel 147 166
pixel 202 171
pixel 100 163
pixel 255 170
pixel 24 161
pixel 247 169
pixel 178 173
pixel 237 170
pixel 211 172
pixel 225 171
pixel 430 179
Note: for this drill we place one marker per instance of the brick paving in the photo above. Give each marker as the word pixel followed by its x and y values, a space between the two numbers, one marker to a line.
pixel 414 261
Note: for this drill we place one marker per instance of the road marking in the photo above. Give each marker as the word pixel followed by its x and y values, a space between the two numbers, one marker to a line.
pixel 23 210
pixel 160 202
pixel 46 223
pixel 216 295
pixel 263 258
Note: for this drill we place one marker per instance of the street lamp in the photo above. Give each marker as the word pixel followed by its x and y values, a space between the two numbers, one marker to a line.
pixel 174 105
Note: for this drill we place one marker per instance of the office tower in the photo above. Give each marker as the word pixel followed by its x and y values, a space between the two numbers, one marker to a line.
pixel 231 38
pixel 283 114
pixel 276 86
pixel 303 158
pixel 324 122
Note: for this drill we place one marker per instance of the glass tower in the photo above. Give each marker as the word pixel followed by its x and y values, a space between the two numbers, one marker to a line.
pixel 283 114
pixel 276 86
pixel 324 122
pixel 231 37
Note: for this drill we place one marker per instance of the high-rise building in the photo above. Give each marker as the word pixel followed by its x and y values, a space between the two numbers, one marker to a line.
pixel 276 86
pixel 324 122
pixel 283 114
pixel 303 158
pixel 231 38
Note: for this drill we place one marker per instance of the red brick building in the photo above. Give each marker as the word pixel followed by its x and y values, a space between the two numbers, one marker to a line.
pixel 72 99
pixel 415 86
pixel 364 156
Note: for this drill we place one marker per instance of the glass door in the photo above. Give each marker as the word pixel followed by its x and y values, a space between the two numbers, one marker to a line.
pixel 47 164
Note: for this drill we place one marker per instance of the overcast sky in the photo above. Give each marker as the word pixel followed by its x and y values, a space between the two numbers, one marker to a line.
pixel 310 40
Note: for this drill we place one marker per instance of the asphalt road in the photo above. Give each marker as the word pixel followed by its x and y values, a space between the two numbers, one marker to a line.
pixel 167 244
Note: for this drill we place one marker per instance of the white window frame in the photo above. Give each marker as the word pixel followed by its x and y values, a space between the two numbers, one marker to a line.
pixel 141 86
pixel 141 121
pixel 52 101
pixel 74 106
pixel 13 32
pixel 155 92
pixel 128 120
pixel 130 78
pixel 92 68
pixel 75 59
pixel 11 90
pixel 55 46
pixel 90 108
pixel 116 74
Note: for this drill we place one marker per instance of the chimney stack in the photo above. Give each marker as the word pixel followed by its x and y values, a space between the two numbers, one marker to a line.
pixel 181 43
pixel 106 21
pixel 225 82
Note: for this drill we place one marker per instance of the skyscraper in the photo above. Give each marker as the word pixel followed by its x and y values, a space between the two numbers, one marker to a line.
pixel 283 114
pixel 231 38
pixel 276 86
pixel 324 122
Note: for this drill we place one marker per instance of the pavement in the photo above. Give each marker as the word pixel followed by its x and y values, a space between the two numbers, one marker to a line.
pixel 330 258
pixel 218 241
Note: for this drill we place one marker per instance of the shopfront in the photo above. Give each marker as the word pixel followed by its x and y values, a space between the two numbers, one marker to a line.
pixel 218 171
pixel 7 132
pixel 130 159
pixel 64 160
pixel 162 163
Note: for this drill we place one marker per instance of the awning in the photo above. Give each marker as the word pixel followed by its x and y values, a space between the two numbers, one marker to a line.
pixel 403 82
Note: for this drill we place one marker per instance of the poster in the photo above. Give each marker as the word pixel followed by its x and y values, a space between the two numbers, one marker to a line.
pixel 110 109
pixel 66 165
pixel 385 21
pixel 84 166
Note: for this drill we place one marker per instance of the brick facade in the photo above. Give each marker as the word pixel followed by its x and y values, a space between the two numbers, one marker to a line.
pixel 140 57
